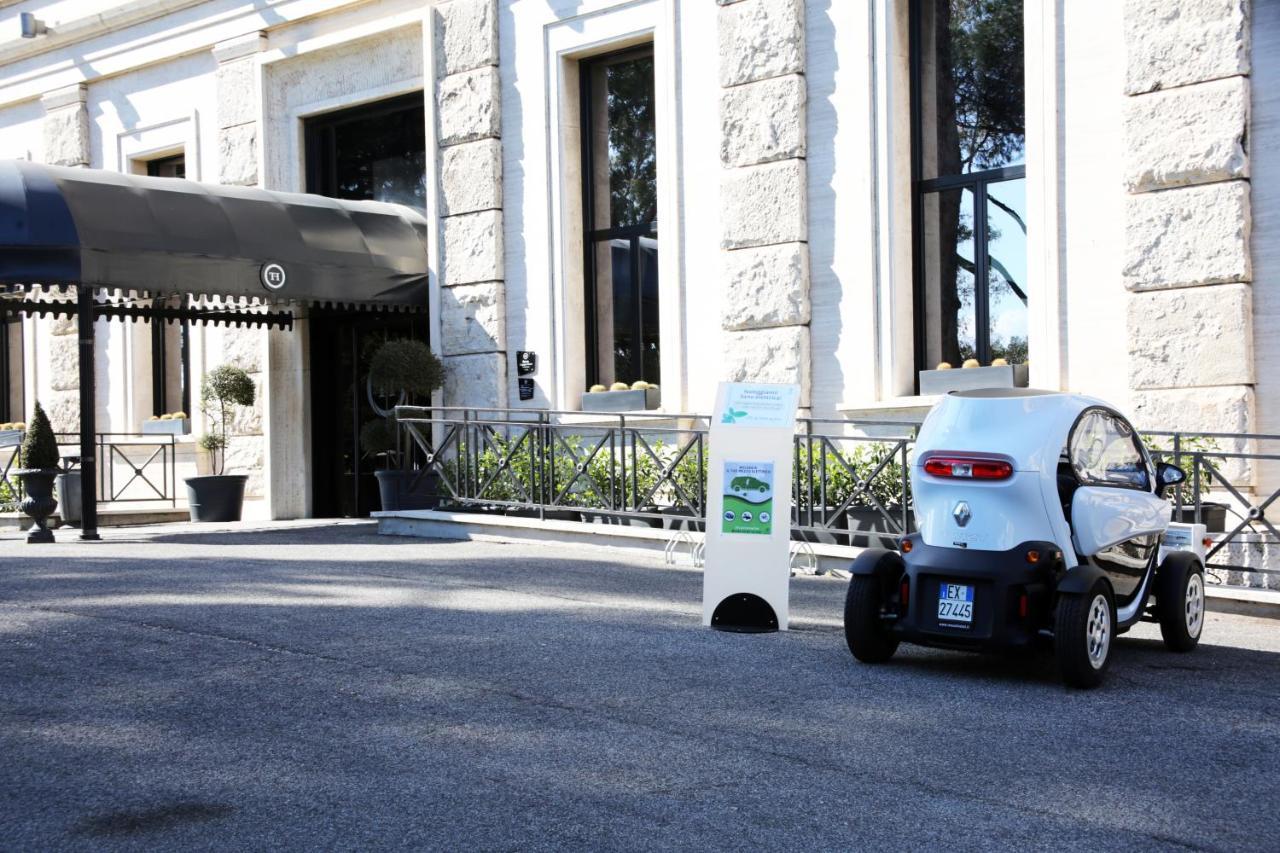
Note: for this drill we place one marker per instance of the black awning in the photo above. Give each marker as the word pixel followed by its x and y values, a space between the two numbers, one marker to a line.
pixel 162 236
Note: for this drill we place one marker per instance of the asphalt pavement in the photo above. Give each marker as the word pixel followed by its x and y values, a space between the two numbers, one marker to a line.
pixel 320 687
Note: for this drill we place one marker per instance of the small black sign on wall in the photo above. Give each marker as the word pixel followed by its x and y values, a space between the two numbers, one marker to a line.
pixel 526 389
pixel 526 362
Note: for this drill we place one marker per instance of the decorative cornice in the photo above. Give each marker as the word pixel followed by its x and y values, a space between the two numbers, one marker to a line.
pixel 66 33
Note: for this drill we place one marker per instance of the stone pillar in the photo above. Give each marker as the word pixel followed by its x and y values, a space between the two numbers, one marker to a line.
pixel 1187 216
pixel 237 116
pixel 245 347
pixel 66 143
pixel 764 225
pixel 469 131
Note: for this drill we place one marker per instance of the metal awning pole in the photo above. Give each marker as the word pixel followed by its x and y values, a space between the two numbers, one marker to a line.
pixel 88 427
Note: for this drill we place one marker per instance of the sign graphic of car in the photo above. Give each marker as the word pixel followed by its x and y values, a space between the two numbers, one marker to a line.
pixel 747 484
pixel 728 515
pixel 746 515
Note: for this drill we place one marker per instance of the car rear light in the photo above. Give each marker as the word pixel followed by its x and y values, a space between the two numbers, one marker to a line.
pixel 906 546
pixel 1033 556
pixel 905 593
pixel 1023 606
pixel 966 468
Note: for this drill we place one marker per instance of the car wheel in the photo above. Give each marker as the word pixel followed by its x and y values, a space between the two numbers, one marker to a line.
pixel 1180 603
pixel 866 633
pixel 1083 633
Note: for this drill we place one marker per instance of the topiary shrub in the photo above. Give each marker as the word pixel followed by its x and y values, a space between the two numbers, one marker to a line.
pixel 223 388
pixel 404 365
pixel 39 447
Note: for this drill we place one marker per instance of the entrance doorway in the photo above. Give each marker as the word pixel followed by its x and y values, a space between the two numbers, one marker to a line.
pixel 342 343
pixel 373 152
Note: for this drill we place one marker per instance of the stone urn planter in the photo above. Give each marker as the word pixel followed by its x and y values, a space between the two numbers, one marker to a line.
pixel 38 501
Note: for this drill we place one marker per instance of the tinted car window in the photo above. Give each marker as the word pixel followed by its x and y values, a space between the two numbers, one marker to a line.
pixel 1104 452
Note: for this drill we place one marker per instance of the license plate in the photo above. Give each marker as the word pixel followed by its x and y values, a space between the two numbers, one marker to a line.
pixel 955 603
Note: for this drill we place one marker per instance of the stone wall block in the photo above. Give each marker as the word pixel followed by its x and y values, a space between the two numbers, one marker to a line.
pixel 763 121
pixel 63 410
pixel 237 93
pixel 475 380
pixel 1192 337
pixel 763 205
pixel 1227 409
pixel 1176 42
pixel 468 106
pixel 472 318
pixel 243 348
pixel 466 36
pixel 238 155
pixel 766 287
pixel 66 136
pixel 472 248
pixel 1190 135
pixel 471 177
pixel 1188 236
pixel 768 355
pixel 760 39
pixel 246 454
pixel 63 354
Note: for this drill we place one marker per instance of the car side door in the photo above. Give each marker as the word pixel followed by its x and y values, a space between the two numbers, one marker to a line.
pixel 1116 517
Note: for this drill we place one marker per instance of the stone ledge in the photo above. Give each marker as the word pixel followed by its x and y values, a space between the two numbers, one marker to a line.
pixel 1191 135
pixel 1188 236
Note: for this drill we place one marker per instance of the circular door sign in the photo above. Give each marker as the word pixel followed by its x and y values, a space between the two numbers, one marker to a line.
pixel 272 276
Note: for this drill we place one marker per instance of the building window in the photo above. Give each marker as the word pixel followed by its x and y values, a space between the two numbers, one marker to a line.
pixel 375 152
pixel 620 212
pixel 968 165
pixel 170 342
pixel 11 402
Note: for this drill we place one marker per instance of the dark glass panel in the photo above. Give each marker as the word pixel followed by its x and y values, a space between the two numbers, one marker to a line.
pixel 972 109
pixel 624 167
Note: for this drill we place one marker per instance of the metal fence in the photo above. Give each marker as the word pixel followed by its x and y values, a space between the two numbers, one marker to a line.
pixel 847 489
pixel 132 467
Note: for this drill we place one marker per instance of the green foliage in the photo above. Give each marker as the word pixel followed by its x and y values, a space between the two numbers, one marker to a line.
pixel 1161 449
pixel 39 447
pixel 378 436
pixel 849 465
pixel 8 497
pixel 223 388
pixel 406 365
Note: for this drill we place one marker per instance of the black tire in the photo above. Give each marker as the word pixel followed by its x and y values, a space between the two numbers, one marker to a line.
pixel 1083 653
pixel 1180 603
pixel 868 637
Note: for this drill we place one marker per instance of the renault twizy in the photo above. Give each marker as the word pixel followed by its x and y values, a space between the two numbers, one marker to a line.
pixel 1040 518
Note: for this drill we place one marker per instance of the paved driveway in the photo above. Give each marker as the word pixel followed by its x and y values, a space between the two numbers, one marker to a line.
pixel 327 688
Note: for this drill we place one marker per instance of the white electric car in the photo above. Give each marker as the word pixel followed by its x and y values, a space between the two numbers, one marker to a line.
pixel 1040 518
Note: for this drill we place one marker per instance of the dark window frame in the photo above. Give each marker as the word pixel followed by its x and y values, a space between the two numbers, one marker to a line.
pixel 7 364
pixel 975 182
pixel 592 236
pixel 320 142
pixel 159 346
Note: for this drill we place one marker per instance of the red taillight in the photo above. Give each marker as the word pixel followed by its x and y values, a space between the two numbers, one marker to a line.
pixel 966 468
pixel 905 591
pixel 1023 606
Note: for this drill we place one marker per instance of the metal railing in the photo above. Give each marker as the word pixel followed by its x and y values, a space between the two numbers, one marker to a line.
pixel 132 467
pixel 648 470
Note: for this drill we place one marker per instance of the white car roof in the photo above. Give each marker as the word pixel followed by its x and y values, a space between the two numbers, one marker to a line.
pixel 1027 426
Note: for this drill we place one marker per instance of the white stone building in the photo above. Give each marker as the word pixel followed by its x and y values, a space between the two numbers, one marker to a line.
pixel 849 192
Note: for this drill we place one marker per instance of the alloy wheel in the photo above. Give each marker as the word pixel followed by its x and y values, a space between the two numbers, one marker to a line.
pixel 1098 634
pixel 1195 604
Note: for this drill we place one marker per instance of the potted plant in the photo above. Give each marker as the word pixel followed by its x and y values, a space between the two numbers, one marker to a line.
pixel 39 460
pixel 400 369
pixel 220 496
pixel 170 423
pixel 621 397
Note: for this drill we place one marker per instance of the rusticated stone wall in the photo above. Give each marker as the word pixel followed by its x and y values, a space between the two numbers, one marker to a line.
pixel 469 134
pixel 764 226
pixel 1187 218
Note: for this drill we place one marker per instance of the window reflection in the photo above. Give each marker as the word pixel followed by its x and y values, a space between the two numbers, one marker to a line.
pixel 620 162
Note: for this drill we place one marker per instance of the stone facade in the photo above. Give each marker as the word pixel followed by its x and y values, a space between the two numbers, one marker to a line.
pixel 1188 217
pixel 764 193
pixel 66 126
pixel 468 125
pixel 237 116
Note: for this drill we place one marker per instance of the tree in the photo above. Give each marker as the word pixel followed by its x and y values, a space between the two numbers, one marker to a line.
pixel 223 388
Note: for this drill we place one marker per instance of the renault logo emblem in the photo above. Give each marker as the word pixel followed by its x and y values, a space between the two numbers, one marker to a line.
pixel 961 513
pixel 272 276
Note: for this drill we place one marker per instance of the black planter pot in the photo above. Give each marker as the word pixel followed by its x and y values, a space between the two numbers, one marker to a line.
pixel 398 490
pixel 38 501
pixel 1212 515
pixel 216 498
pixel 547 515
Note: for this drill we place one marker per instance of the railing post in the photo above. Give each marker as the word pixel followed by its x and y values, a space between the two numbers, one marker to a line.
pixel 88 406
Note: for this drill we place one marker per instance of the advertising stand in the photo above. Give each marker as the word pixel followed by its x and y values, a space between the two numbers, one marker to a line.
pixel 747 569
